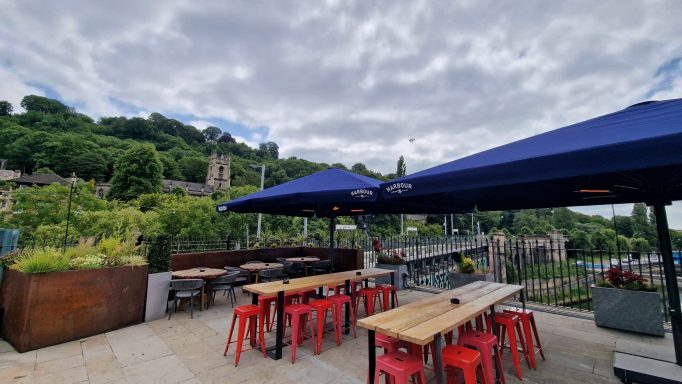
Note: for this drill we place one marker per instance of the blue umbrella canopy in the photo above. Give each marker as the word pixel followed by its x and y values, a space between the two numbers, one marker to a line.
pixel 631 155
pixel 329 193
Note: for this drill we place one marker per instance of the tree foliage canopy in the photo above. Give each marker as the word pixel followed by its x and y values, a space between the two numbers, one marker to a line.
pixel 138 171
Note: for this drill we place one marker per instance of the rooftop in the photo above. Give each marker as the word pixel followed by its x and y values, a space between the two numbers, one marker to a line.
pixel 184 350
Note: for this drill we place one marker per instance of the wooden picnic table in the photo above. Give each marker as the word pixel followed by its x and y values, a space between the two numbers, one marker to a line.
pixel 306 283
pixel 307 260
pixel 206 274
pixel 257 267
pixel 424 321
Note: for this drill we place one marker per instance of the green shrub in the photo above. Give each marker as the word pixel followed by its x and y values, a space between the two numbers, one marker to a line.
pixel 41 260
pixel 467 265
pixel 159 254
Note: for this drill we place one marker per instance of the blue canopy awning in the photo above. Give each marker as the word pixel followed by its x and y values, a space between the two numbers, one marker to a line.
pixel 332 192
pixel 632 155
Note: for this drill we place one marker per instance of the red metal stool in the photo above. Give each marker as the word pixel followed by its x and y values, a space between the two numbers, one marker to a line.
pixel 486 344
pixel 307 295
pixel 339 301
pixel 320 307
pixel 245 313
pixel 387 290
pixel 467 360
pixel 390 344
pixel 399 367
pixel 337 289
pixel 294 313
pixel 509 325
pixel 265 305
pixel 530 330
pixel 292 298
pixel 369 296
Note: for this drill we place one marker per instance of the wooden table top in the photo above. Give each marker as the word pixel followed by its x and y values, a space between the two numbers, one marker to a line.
pixel 309 282
pixel 306 259
pixel 197 273
pixel 255 267
pixel 418 321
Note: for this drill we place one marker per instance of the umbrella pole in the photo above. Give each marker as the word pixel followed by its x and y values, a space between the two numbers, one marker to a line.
pixel 670 278
pixel 332 223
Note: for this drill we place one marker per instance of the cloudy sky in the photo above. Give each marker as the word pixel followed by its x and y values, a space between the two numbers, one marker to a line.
pixel 348 81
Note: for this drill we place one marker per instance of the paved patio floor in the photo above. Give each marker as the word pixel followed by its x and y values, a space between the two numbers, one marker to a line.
pixel 184 350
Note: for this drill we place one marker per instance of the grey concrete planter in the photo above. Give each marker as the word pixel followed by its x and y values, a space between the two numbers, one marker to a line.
pixel 400 276
pixel 458 279
pixel 627 310
pixel 158 285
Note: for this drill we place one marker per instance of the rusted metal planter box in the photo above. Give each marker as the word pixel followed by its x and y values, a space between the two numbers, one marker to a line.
pixel 633 311
pixel 52 308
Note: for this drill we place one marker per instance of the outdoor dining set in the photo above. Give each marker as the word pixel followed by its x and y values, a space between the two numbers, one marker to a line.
pixel 456 334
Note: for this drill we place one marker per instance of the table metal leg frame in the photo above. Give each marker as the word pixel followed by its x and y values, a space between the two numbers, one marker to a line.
pixel 347 322
pixel 393 283
pixel 438 357
pixel 371 343
pixel 276 353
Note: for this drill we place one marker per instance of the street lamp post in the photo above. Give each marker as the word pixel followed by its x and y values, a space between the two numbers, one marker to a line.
pixel 262 181
pixel 72 189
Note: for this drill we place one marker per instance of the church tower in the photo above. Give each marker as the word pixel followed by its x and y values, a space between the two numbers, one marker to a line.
pixel 218 175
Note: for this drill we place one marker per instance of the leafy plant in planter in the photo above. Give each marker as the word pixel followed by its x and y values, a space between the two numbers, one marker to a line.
pixel 395 261
pixel 468 272
pixel 51 297
pixel 392 258
pixel 617 278
pixel 618 294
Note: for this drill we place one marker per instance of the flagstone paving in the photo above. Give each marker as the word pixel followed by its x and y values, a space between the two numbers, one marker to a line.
pixel 184 350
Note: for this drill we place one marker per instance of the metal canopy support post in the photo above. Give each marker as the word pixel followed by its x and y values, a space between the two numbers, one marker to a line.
pixel 332 224
pixel 670 278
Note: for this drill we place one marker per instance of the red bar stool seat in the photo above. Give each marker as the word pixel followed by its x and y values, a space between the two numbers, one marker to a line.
pixel 486 344
pixel 339 301
pixel 509 325
pixel 296 312
pixel 530 331
pixel 369 297
pixel 245 313
pixel 465 359
pixel 390 344
pixel 321 306
pixel 388 290
pixel 399 367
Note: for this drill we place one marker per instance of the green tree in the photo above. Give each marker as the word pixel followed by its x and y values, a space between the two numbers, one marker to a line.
pixel 33 103
pixel 579 240
pixel 193 168
pixel 137 171
pixel 639 244
pixel 640 222
pixel 226 138
pixel 604 240
pixel 5 108
pixel 211 134
pixel 563 218
pixel 401 167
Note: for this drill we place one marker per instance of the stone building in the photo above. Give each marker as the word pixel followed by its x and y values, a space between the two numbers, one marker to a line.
pixel 218 175
pixel 217 178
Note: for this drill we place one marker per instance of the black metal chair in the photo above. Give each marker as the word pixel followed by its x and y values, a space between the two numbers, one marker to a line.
pixel 271 274
pixel 185 289
pixel 225 283
pixel 321 267
pixel 288 265
pixel 242 278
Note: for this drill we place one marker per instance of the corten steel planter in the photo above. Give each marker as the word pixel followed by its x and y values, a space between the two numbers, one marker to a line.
pixel 634 311
pixel 458 279
pixel 400 275
pixel 52 308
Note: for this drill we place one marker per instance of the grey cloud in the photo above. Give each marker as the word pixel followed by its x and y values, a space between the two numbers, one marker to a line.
pixel 350 81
